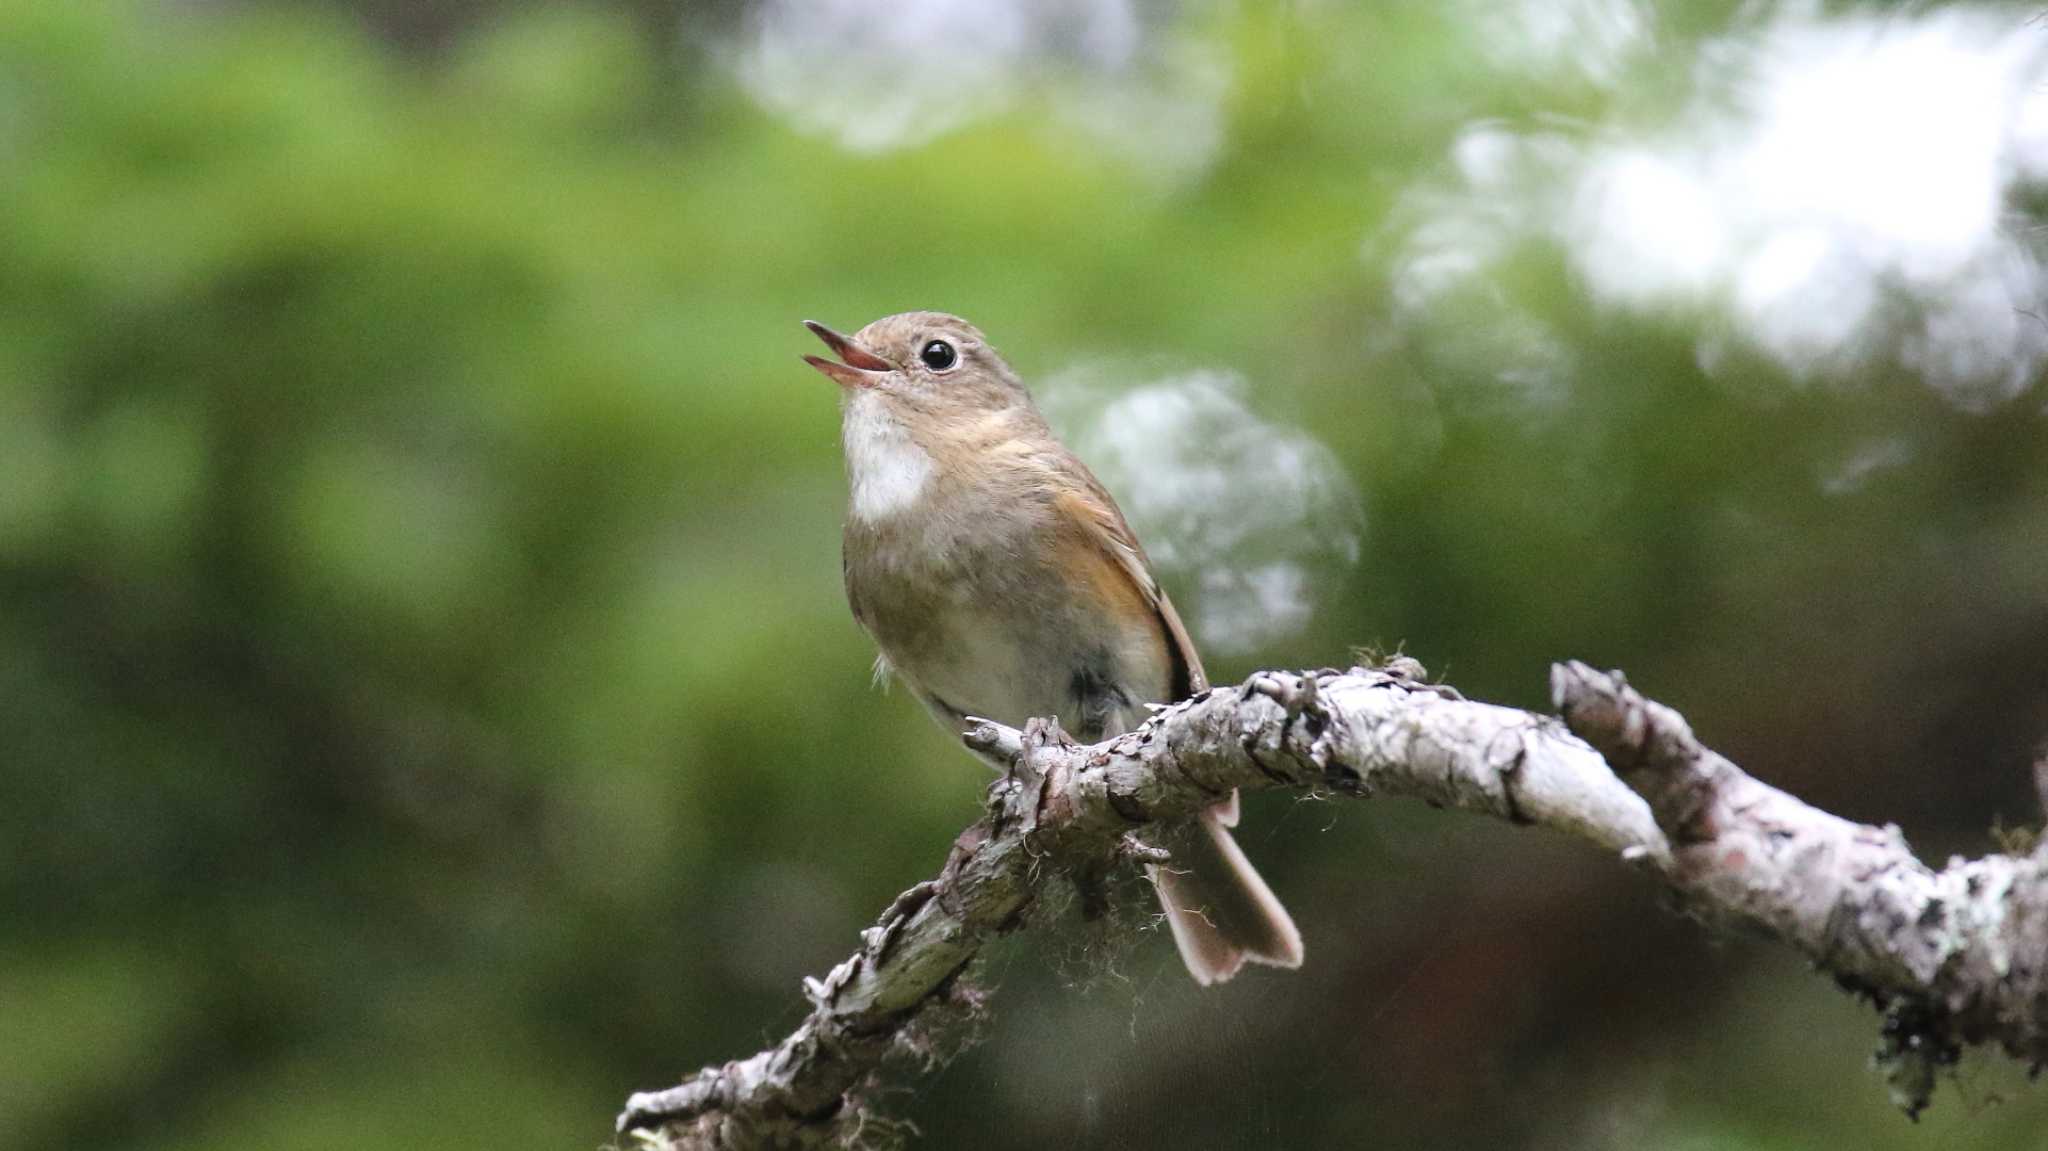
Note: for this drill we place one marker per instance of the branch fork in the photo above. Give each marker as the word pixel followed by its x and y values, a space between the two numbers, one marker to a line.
pixel 1954 957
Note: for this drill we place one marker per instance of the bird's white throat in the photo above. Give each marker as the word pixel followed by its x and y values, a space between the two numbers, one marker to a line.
pixel 886 469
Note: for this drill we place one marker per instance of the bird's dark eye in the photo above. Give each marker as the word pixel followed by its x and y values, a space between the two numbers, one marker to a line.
pixel 938 355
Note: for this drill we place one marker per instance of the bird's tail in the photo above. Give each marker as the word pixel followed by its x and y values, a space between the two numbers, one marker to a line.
pixel 1221 912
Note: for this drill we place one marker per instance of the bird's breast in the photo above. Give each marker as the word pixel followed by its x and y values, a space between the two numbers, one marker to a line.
pixel 887 471
pixel 1004 625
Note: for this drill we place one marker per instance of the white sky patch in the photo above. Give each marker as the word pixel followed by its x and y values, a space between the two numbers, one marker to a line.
pixel 1649 227
pixel 1850 172
pixel 1868 155
pixel 1891 132
pixel 1596 39
pixel 1805 297
pixel 1510 186
pixel 1240 607
pixel 1168 117
pixel 2030 135
pixel 1983 341
pixel 1239 515
pixel 882 75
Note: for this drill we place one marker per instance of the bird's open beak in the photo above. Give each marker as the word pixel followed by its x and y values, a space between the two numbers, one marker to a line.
pixel 861 367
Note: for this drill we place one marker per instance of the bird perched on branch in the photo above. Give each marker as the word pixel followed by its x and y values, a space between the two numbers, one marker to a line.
pixel 1001 582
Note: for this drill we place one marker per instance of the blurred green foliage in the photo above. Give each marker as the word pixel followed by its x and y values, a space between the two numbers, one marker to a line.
pixel 427 711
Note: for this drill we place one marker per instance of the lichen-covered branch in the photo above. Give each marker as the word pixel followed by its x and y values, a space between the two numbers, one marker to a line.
pixel 1955 956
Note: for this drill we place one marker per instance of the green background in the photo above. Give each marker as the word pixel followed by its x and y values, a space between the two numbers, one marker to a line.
pixel 428 711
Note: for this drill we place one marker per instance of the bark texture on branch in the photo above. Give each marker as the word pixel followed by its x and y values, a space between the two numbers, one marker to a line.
pixel 1955 957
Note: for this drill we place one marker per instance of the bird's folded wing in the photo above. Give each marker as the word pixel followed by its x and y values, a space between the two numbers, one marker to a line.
pixel 1086 503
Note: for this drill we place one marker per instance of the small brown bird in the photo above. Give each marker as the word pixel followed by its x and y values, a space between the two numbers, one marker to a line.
pixel 1000 581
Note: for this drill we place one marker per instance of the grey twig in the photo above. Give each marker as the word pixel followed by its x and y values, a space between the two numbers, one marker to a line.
pixel 1955 957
